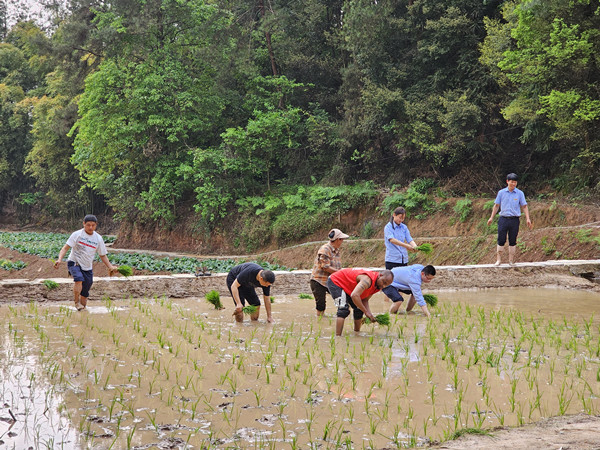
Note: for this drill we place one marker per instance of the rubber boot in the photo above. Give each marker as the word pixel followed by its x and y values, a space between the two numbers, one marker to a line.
pixel 512 251
pixel 499 251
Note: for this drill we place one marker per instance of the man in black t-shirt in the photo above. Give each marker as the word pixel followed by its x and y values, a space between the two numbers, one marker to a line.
pixel 242 281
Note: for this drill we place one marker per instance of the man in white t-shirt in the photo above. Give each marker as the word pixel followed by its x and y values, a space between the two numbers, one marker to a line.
pixel 84 245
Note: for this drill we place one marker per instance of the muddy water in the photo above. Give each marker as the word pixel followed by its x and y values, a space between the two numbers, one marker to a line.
pixel 170 374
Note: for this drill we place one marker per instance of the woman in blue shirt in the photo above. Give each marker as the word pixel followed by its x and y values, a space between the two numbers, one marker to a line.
pixel 509 201
pixel 398 240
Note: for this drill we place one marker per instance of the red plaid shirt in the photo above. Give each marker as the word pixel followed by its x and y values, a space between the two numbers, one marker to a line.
pixel 327 257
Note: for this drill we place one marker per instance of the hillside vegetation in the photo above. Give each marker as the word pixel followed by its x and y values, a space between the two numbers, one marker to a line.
pixel 197 115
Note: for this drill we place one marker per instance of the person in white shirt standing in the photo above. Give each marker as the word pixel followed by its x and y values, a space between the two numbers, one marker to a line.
pixel 84 245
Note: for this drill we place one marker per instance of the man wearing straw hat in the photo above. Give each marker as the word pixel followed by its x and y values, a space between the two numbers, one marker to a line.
pixel 327 261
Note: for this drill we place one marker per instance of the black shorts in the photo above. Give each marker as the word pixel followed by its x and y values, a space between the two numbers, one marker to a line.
pixel 247 293
pixel 394 294
pixel 319 292
pixel 510 226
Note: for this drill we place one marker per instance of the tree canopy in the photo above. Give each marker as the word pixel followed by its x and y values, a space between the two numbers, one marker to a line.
pixel 157 108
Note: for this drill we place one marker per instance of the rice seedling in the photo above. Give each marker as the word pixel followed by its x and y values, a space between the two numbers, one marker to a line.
pixel 249 309
pixel 125 270
pixel 426 248
pixel 381 319
pixel 431 299
pixel 305 296
pixel 214 299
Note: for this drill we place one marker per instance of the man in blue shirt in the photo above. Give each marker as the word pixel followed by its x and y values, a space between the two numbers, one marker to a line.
pixel 397 241
pixel 509 201
pixel 408 280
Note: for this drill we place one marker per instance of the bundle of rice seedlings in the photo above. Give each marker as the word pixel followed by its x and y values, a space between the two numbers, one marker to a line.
pixel 126 271
pixel 214 299
pixel 50 284
pixel 430 299
pixel 305 296
pixel 272 299
pixel 381 319
pixel 426 248
pixel 249 309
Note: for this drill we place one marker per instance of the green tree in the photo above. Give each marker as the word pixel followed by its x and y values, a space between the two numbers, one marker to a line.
pixel 545 55
pixel 152 98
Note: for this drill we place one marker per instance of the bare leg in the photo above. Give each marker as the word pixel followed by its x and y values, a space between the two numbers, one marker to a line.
pixel 411 303
pixel 83 301
pixel 357 324
pixel 499 251
pixel 339 326
pixel 77 292
pixel 255 314
pixel 512 251
pixel 320 313
pixel 239 316
pixel 395 307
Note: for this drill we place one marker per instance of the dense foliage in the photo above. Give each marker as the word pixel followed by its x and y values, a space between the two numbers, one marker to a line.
pixel 160 109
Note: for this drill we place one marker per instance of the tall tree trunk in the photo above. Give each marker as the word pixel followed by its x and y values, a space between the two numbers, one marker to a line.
pixel 261 6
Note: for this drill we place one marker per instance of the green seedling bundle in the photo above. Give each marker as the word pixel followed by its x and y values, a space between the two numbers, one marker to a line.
pixel 214 299
pixel 431 299
pixel 126 271
pixel 249 309
pixel 426 248
pixel 381 319
pixel 140 367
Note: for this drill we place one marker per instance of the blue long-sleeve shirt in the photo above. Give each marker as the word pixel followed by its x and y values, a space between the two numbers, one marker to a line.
pixel 396 253
pixel 409 279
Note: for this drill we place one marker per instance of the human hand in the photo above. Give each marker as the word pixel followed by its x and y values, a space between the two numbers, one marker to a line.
pixel 530 224
pixel 270 319
pixel 56 264
pixel 489 222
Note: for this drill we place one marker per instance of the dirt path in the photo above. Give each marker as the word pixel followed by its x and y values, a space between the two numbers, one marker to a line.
pixel 580 432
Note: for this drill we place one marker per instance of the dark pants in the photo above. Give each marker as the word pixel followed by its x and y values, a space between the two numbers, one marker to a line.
pixel 85 276
pixel 344 301
pixel 319 291
pixel 391 265
pixel 394 294
pixel 510 226
pixel 246 293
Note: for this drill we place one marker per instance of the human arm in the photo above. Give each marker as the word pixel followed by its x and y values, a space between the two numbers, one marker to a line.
pixel 236 295
pixel 267 302
pixel 363 282
pixel 61 255
pixel 411 246
pixel 107 263
pixel 494 211
pixel 526 211
pixel 417 295
pixel 325 263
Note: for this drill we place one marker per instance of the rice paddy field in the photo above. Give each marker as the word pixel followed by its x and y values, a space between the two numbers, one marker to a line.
pixel 162 373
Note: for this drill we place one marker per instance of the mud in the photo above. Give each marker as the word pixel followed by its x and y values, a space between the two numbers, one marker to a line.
pixel 166 373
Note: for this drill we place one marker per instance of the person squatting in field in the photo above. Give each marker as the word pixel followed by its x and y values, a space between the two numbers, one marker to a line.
pixel 242 280
pixel 408 280
pixel 84 245
pixel 327 261
pixel 353 288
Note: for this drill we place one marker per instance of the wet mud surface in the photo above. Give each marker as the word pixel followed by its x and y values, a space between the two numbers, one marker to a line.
pixel 171 373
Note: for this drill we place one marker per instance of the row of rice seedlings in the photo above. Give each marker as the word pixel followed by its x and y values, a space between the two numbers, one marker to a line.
pixel 479 348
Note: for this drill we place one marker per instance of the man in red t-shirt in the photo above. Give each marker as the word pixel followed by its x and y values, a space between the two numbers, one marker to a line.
pixel 354 287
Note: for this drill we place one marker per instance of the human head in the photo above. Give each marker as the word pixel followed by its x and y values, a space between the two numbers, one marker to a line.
pixel 511 181
pixel 266 277
pixel 384 279
pixel 90 222
pixel 336 237
pixel 428 273
pixel 399 215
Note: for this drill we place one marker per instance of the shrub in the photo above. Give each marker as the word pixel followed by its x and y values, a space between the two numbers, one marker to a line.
pixel 50 284
pixel 463 208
